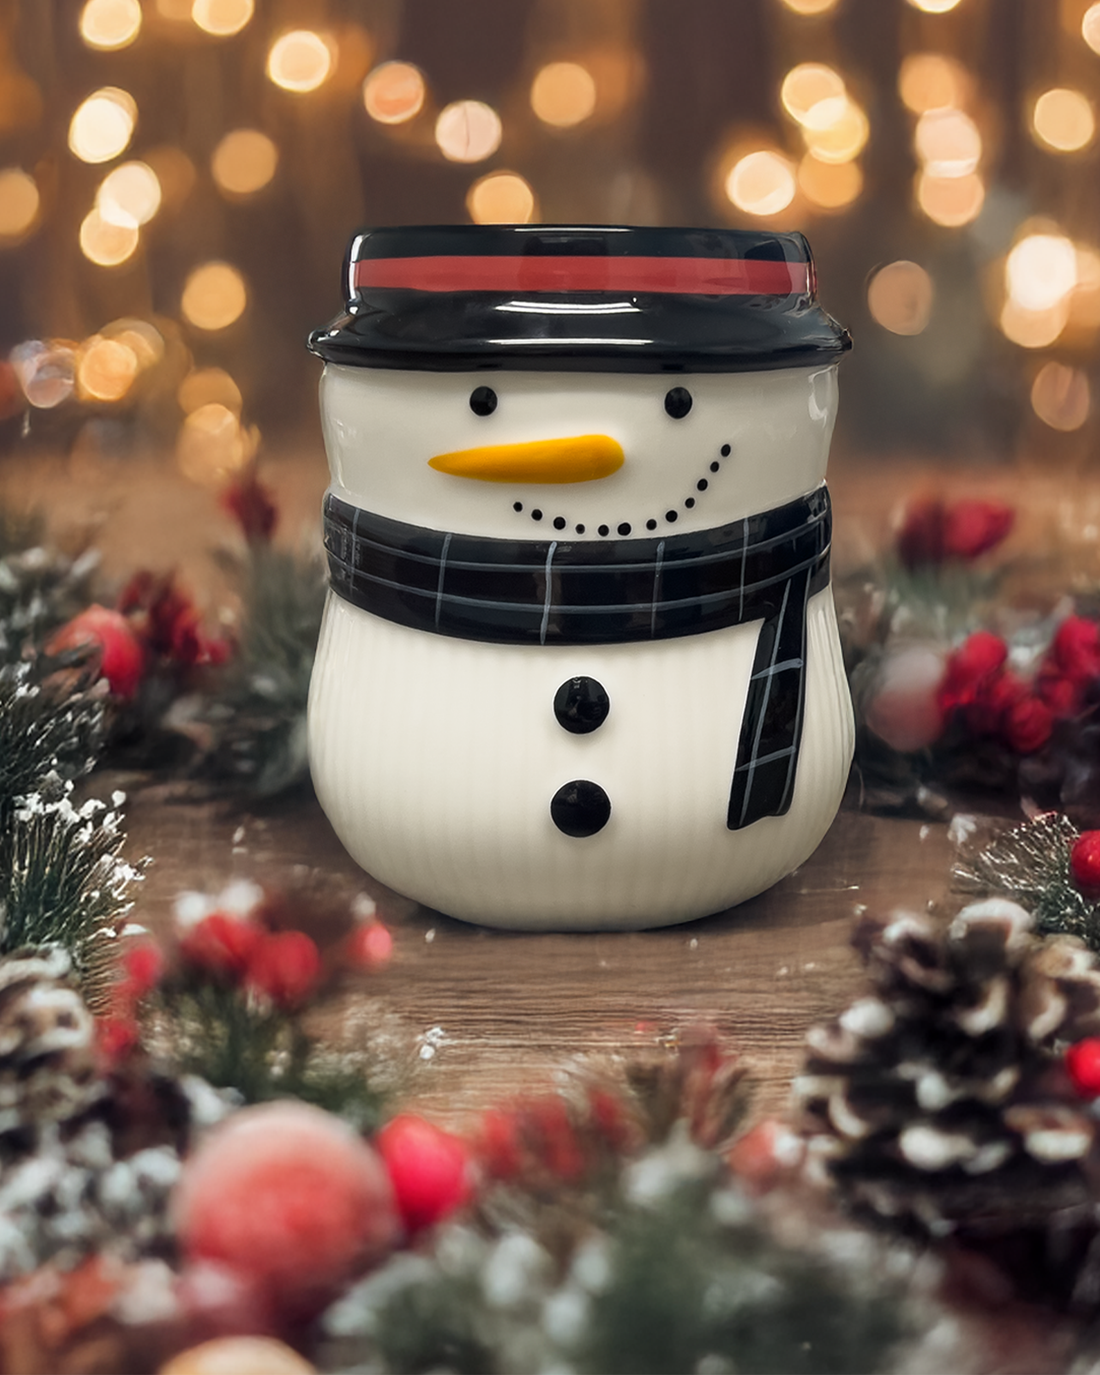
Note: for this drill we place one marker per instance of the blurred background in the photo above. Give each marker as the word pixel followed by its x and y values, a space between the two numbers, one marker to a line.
pixel 179 179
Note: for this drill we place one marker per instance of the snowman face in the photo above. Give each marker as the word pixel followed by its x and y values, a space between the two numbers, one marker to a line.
pixel 575 456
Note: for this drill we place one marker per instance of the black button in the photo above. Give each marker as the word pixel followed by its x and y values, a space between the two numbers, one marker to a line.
pixel 581 704
pixel 580 808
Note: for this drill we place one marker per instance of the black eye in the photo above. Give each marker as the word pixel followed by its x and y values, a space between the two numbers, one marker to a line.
pixel 678 402
pixel 483 401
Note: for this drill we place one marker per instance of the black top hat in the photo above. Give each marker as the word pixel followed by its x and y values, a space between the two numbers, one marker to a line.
pixel 579 298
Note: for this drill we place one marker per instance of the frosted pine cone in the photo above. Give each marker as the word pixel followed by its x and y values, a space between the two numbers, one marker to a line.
pixel 940 1102
pixel 47 1053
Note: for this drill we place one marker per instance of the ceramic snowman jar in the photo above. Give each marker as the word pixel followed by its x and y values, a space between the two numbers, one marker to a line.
pixel 579 666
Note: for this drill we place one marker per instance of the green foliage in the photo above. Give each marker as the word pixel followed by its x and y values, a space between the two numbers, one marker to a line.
pixel 44 732
pixel 232 1040
pixel 685 1289
pixel 258 711
pixel 434 1327
pixel 40 590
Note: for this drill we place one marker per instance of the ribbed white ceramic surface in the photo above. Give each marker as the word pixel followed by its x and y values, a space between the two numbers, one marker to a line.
pixel 436 759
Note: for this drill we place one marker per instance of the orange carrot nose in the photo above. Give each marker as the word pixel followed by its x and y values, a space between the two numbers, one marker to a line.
pixel 581 458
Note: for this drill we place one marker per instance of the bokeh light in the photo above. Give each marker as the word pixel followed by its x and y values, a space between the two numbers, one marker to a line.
pixel 948 143
pixel 46 371
pixel 1084 300
pixel 394 92
pixel 104 243
pixel 930 81
pixel 1033 329
pixel 103 125
pixel 900 297
pixel 934 6
pixel 810 6
pixel 1090 27
pixel 500 198
pixel 829 186
pixel 105 369
pixel 807 85
pixel 222 17
pixel 1060 396
pixel 214 296
pixel 213 445
pixel 110 24
pixel 141 337
pixel 761 183
pixel 176 173
pixel 835 130
pixel 208 386
pixel 1041 271
pixel 1063 119
pixel 129 196
pixel 19 205
pixel 300 61
pixel 468 131
pixel 951 201
pixel 244 162
pixel 563 94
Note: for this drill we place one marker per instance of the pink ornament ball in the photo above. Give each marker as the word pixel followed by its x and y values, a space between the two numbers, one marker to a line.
pixel 428 1167
pixel 291 1198
pixel 904 710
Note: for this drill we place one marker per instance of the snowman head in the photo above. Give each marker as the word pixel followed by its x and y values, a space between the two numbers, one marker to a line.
pixel 577 384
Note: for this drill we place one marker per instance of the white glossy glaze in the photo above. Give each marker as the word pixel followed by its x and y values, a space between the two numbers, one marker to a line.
pixel 436 758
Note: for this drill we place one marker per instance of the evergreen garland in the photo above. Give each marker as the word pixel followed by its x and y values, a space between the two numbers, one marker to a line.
pixel 258 715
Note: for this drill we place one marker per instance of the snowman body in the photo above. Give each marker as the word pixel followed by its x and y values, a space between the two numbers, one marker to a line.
pixel 568 778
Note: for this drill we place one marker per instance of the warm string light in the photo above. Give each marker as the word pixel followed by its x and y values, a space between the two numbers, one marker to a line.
pixel 1060 396
pixel 244 162
pixel 1090 27
pixel 761 183
pixel 834 130
pixel 129 196
pixel 900 297
pixel 930 81
pixel 20 203
pixel 300 61
pixel 223 18
pixel 394 92
pixel 934 6
pixel 950 189
pixel 107 244
pixel 213 444
pixel 468 131
pixel 208 386
pixel 46 371
pixel 810 6
pixel 103 125
pixel 1063 120
pixel 563 94
pixel 214 296
pixel 110 24
pixel 829 186
pixel 501 198
pixel 105 369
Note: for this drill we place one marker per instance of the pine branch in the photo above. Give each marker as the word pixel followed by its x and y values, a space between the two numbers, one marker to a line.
pixel 43 732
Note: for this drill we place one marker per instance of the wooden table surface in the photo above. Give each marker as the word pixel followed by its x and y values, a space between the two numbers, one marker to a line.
pixel 475 1015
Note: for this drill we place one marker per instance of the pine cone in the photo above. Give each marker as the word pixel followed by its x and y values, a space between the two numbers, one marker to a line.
pixel 87 1161
pixel 47 1054
pixel 941 1103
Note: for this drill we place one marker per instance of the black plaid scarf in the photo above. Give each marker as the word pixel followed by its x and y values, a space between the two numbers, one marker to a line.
pixel 764 567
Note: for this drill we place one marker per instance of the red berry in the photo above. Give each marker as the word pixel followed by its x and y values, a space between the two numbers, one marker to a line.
pixel 285 967
pixel 1075 649
pixel 369 946
pixel 1083 1065
pixel 1027 725
pixel 1084 863
pixel 291 1198
pixel 222 946
pixel 973 527
pixel 121 657
pixel 428 1167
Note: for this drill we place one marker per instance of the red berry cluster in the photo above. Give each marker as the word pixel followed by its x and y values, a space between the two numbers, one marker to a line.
pixel 1083 1066
pixel 935 531
pixel 283 967
pixel 993 701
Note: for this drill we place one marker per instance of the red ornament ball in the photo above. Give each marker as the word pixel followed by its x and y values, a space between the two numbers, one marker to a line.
pixel 109 633
pixel 1084 863
pixel 429 1169
pixel 1083 1066
pixel 291 1198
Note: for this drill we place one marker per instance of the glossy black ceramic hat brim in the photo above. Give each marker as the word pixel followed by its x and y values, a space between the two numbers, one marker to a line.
pixel 579 298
